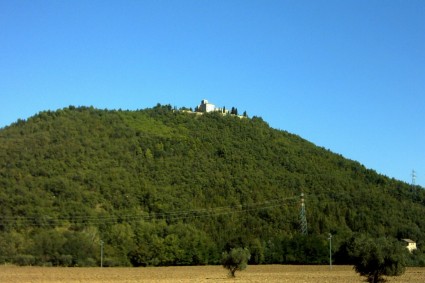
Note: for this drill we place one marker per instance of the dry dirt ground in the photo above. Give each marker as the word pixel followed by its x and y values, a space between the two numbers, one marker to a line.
pixel 210 274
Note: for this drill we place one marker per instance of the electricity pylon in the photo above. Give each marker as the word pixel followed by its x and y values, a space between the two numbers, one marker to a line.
pixel 303 219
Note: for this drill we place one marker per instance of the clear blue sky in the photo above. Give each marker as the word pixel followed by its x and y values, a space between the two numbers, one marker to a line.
pixel 345 75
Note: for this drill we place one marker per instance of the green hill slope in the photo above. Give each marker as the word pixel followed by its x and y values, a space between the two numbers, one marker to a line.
pixel 165 187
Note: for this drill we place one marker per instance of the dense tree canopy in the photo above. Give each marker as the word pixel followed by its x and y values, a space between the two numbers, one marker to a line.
pixel 166 187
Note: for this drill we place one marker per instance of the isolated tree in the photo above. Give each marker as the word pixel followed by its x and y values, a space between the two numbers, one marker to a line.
pixel 375 258
pixel 235 259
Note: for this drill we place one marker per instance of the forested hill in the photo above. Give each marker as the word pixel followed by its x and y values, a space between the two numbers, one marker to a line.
pixel 167 187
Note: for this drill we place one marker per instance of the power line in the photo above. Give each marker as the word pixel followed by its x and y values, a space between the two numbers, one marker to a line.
pixel 45 220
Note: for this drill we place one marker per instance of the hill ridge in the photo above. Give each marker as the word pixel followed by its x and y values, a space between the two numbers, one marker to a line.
pixel 81 175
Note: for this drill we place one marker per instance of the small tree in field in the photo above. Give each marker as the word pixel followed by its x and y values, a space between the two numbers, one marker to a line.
pixel 236 259
pixel 375 258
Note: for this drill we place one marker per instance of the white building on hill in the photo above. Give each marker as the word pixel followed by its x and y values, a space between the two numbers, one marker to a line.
pixel 411 245
pixel 206 107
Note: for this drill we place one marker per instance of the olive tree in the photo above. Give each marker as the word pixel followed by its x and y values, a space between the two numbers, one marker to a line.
pixel 375 258
pixel 235 259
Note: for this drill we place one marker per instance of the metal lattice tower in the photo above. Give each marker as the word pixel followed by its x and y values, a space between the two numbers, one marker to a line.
pixel 413 178
pixel 303 219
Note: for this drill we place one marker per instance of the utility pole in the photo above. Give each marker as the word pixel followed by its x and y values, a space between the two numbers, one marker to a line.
pixel 330 251
pixel 303 219
pixel 101 253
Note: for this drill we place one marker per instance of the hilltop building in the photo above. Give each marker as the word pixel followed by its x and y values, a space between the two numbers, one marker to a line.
pixel 206 107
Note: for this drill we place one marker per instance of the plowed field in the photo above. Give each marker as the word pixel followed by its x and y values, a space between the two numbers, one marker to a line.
pixel 262 273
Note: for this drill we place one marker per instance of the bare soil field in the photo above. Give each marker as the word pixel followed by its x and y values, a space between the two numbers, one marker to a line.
pixel 210 274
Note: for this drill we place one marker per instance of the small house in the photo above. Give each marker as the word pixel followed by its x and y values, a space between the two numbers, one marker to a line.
pixel 411 245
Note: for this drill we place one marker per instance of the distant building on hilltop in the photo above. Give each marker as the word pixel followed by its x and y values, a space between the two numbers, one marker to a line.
pixel 206 107
pixel 411 245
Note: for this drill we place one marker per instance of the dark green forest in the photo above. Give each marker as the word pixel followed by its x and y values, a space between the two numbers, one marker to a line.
pixel 161 186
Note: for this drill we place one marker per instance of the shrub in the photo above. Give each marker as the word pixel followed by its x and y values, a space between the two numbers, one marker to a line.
pixel 375 258
pixel 65 260
pixel 24 259
pixel 236 259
